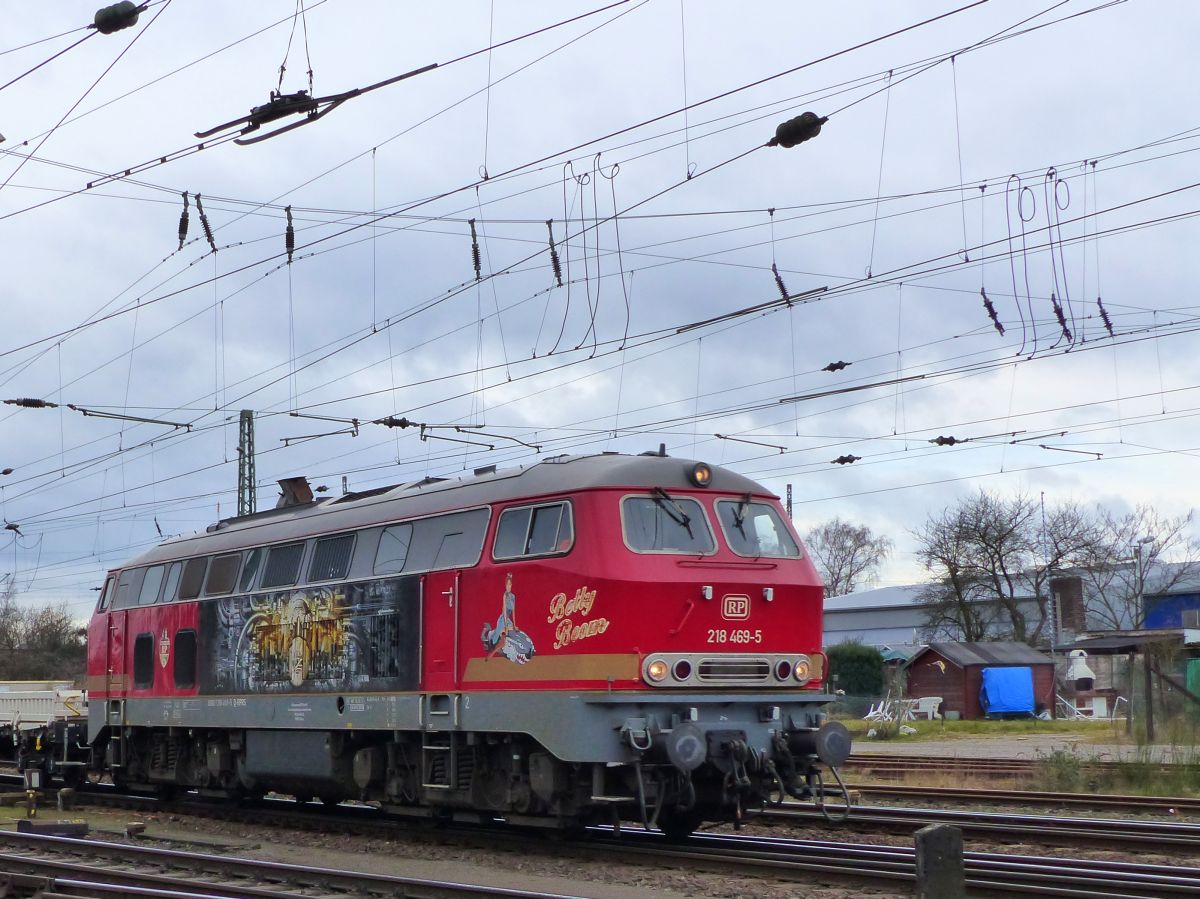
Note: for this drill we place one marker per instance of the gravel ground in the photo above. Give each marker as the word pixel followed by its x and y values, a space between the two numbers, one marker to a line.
pixel 546 865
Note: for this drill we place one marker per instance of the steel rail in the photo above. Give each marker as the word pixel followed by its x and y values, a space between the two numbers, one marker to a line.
pixel 238 877
pixel 981 763
pixel 1117 833
pixel 991 872
pixel 1160 805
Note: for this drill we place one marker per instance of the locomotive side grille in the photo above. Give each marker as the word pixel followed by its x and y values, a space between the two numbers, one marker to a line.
pixel 734 669
pixel 164 755
pixel 466 769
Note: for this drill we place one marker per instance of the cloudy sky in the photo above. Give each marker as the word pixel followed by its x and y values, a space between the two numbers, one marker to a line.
pixel 1037 151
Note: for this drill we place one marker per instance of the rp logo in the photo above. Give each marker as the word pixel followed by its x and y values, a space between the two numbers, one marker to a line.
pixel 735 608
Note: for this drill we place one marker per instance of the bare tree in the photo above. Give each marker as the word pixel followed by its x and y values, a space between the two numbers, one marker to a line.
pixel 38 643
pixel 992 558
pixel 846 555
pixel 954 605
pixel 1111 574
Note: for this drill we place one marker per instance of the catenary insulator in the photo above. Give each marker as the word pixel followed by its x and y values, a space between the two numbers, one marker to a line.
pixel 555 263
pixel 289 236
pixel 475 251
pixel 1108 326
pixel 208 235
pixel 114 18
pixel 845 460
pixel 783 291
pixel 28 402
pixel 1062 319
pixel 796 131
pixel 836 366
pixel 392 421
pixel 991 311
pixel 183 221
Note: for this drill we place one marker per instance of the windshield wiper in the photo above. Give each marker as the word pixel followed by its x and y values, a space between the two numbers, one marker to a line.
pixel 739 514
pixel 673 509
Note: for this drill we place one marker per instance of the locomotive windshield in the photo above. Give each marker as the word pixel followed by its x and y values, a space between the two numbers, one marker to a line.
pixel 755 529
pixel 665 524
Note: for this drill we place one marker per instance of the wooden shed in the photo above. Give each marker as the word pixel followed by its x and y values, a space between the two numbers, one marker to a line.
pixel 955 672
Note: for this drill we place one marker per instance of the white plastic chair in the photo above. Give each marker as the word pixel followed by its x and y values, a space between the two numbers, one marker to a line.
pixel 927 707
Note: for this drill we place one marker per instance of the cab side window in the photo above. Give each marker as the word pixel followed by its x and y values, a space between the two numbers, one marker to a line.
pixel 254 560
pixel 222 574
pixel 392 553
pixel 124 589
pixel 106 595
pixel 534 531
pixel 148 595
pixel 170 590
pixel 665 524
pixel 193 578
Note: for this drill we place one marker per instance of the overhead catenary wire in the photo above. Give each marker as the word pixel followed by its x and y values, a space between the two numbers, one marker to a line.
pixel 91 87
pixel 597 219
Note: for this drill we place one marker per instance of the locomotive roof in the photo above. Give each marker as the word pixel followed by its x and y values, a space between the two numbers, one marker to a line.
pixel 554 476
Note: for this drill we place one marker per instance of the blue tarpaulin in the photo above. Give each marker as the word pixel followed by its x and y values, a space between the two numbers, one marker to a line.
pixel 1007 691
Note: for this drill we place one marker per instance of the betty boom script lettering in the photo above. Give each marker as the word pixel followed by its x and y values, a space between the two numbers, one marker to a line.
pixel 567 631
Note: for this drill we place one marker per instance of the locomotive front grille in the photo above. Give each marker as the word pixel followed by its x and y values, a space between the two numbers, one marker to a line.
pixel 734 670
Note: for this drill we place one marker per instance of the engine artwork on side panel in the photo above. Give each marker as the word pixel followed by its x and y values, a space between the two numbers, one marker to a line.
pixel 357 636
pixel 506 638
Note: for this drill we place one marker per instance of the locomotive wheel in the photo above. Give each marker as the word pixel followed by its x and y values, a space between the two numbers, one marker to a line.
pixel 164 792
pixel 74 778
pixel 678 826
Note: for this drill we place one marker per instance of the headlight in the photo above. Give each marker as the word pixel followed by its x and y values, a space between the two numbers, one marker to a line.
pixel 802 669
pixel 657 670
pixel 701 475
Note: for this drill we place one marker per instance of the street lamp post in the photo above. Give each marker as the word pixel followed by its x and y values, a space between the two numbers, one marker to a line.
pixel 1139 549
pixel 1140 574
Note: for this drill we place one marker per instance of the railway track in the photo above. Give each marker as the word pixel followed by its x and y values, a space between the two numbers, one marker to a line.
pixel 71 867
pixel 999 874
pixel 886 764
pixel 1151 805
pixel 1113 833
pixel 63 866
pixel 986 873
pixel 1121 834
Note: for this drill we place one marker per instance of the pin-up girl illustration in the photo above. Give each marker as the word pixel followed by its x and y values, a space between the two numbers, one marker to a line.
pixel 506 638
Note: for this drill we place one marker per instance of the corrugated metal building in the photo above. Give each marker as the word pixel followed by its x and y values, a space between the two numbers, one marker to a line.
pixel 892 616
pixel 885 617
pixel 1176 605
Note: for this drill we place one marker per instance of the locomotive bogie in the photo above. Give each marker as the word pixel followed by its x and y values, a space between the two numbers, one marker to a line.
pixel 598 637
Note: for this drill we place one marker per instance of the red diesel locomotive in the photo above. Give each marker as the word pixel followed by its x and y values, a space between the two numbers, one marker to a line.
pixel 590 638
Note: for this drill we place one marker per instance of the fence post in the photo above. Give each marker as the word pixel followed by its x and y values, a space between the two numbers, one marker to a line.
pixel 940 863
